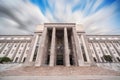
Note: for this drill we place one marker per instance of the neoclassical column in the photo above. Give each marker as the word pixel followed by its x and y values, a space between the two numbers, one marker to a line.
pixel 41 49
pixel 77 48
pixel 66 46
pixel 31 51
pixel 52 51
pixel 87 49
pixel 74 51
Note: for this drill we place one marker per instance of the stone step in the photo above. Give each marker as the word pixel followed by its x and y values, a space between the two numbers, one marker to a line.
pixel 59 71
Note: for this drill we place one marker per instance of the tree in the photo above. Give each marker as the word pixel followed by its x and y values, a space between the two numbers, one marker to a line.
pixel 5 59
pixel 108 58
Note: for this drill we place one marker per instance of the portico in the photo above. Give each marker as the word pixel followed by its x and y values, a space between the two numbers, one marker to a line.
pixel 59 46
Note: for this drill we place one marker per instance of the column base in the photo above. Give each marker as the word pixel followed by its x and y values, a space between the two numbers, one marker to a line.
pixel 37 65
pixel 29 64
pixel 67 65
pixel 51 65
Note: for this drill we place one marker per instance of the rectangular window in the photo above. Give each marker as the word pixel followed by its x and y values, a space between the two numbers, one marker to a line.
pixel 106 51
pixel 16 59
pixel 24 59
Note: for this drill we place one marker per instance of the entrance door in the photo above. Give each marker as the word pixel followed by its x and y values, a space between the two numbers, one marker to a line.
pixel 59 47
pixel 59 60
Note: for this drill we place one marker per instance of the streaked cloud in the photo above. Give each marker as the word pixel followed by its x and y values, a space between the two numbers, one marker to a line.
pixel 19 17
pixel 97 16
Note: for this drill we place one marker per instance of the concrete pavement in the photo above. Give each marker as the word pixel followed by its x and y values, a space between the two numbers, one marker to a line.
pixel 81 77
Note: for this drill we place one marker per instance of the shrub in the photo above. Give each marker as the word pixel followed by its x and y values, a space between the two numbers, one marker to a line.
pixel 5 59
pixel 108 58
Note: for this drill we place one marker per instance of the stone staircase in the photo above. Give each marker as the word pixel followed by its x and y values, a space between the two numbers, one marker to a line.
pixel 110 66
pixel 59 71
pixel 4 67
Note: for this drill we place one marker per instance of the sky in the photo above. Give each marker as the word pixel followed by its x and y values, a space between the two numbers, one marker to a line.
pixel 98 17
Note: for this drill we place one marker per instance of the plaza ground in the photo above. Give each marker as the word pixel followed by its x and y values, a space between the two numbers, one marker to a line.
pixel 59 73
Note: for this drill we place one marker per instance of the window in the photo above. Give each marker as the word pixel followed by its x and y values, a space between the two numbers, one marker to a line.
pixel 94 59
pixel 4 51
pixel 92 52
pixel 96 45
pixel 106 51
pixel 117 44
pixel 48 59
pixel 28 45
pixel 19 51
pixel 22 45
pixel 113 51
pixel 15 45
pixel 71 60
pixel 35 53
pixel 118 59
pixel 102 59
pixel 16 59
pixel 110 45
pixel 12 51
pixel 24 59
pixel 84 55
pixel 8 45
pixel 27 51
pixel 98 51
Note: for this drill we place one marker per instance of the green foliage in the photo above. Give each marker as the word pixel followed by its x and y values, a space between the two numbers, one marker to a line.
pixel 5 59
pixel 108 58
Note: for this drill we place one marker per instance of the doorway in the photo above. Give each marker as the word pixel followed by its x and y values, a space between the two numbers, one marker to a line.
pixel 60 47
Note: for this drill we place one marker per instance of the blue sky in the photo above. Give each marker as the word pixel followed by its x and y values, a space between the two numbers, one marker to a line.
pixel 108 12
pixel 80 6
pixel 97 16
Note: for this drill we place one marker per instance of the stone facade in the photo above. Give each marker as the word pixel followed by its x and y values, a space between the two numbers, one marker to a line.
pixel 56 44
pixel 15 47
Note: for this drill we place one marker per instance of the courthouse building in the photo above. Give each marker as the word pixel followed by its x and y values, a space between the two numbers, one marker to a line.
pixel 60 44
